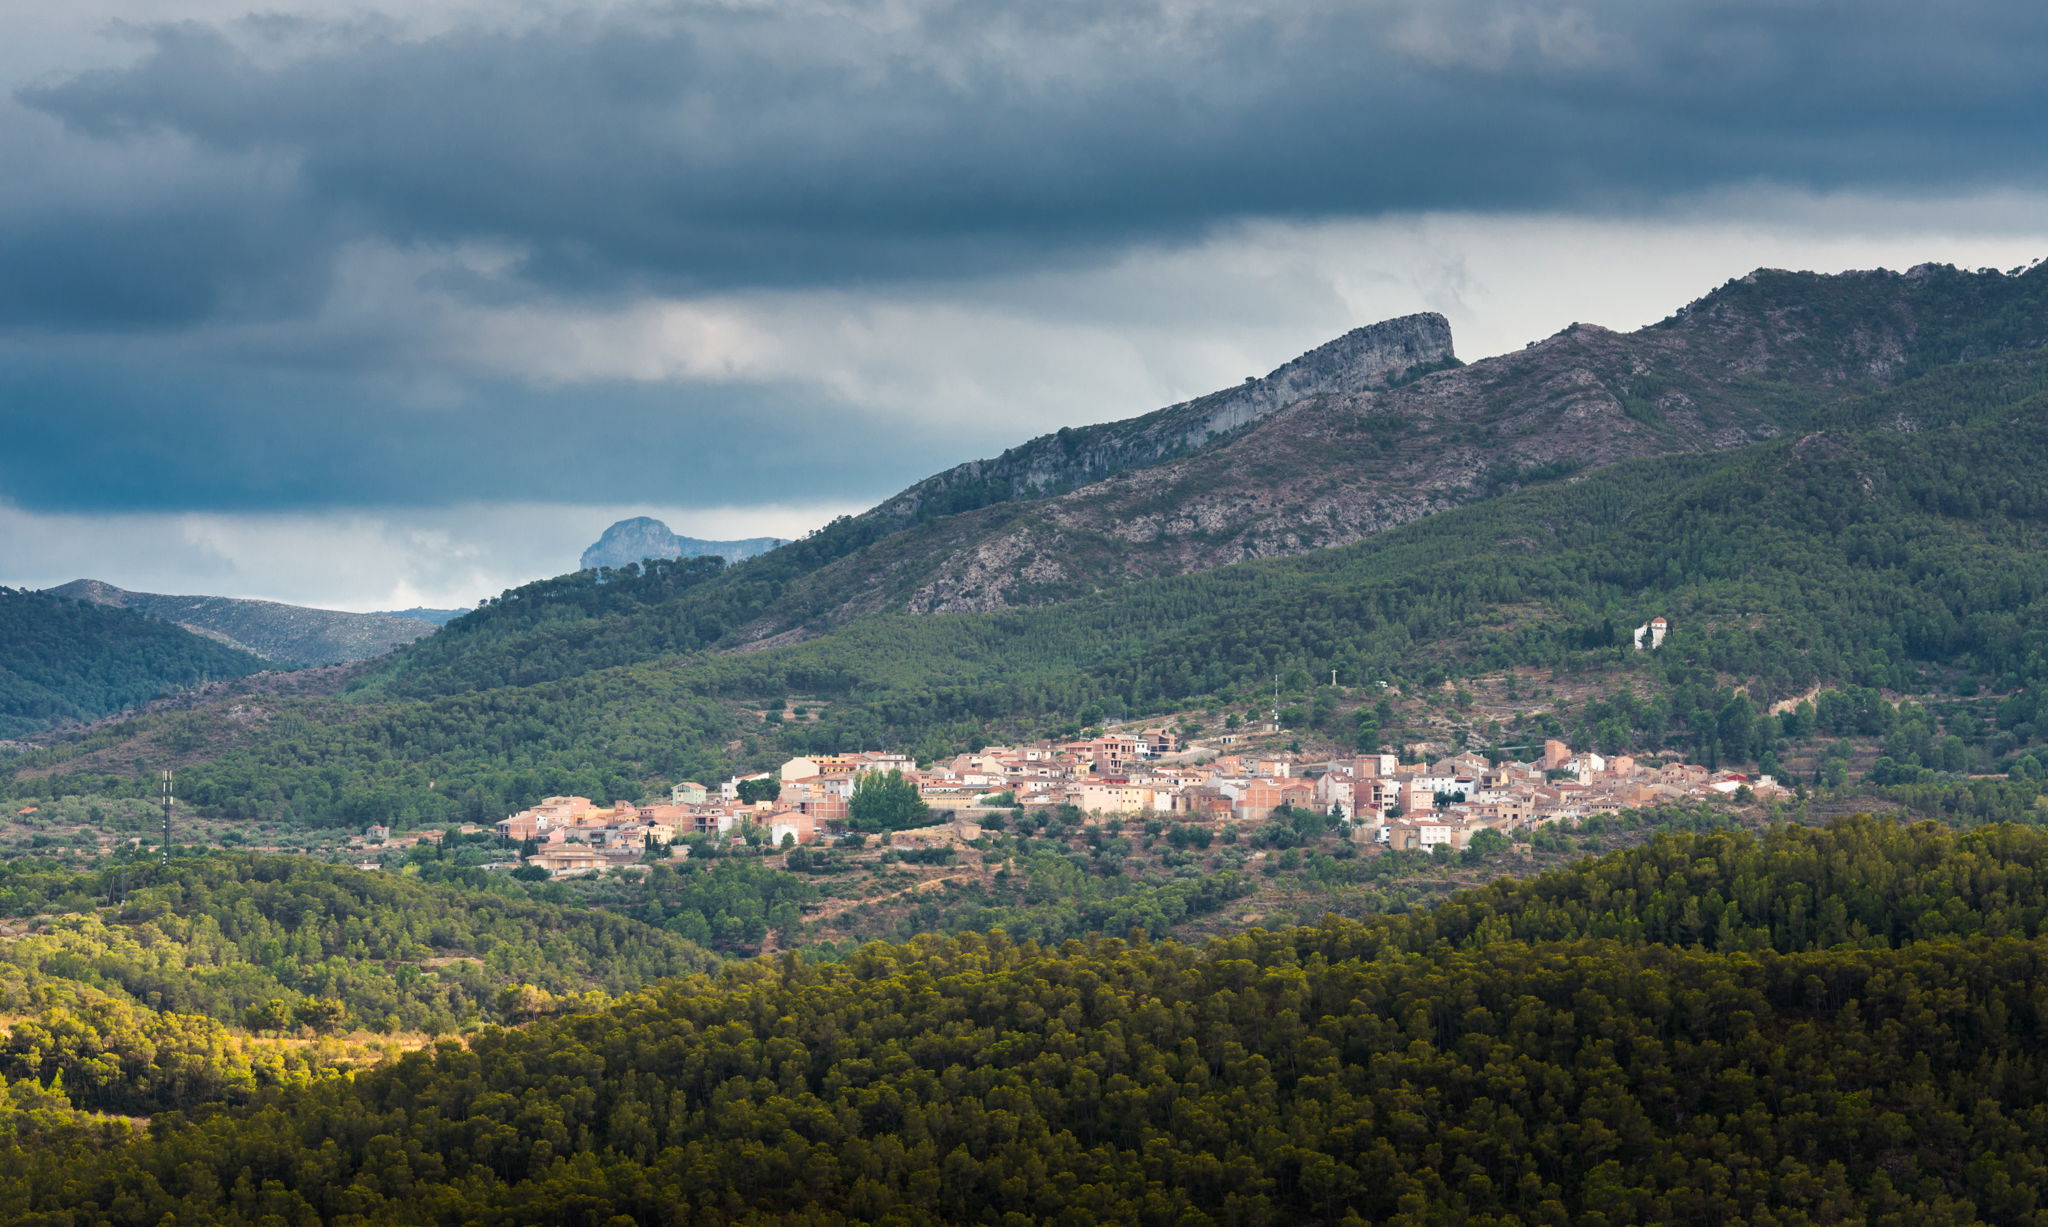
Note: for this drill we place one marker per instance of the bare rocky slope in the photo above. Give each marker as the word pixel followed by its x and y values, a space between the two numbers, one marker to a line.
pixel 1382 426
pixel 290 635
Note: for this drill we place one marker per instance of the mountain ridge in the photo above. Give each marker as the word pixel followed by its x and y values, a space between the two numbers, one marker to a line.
pixel 1748 361
pixel 1887 543
pixel 293 636
pixel 1373 355
pixel 1744 362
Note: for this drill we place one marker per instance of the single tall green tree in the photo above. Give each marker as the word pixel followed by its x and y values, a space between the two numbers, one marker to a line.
pixel 886 801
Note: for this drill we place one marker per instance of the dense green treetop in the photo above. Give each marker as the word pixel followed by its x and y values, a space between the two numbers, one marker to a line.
pixel 219 934
pixel 1857 1042
pixel 886 801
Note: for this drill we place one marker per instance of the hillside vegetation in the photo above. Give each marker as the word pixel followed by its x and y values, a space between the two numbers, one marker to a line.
pixel 147 986
pixel 1808 1027
pixel 1901 547
pixel 63 660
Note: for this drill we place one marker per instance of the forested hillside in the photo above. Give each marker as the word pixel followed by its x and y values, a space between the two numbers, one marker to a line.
pixel 1807 1027
pixel 68 660
pixel 1901 547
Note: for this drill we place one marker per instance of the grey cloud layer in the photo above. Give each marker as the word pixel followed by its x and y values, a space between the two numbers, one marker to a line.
pixel 85 437
pixel 689 146
pixel 249 268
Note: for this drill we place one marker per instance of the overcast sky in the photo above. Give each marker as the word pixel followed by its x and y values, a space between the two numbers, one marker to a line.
pixel 371 306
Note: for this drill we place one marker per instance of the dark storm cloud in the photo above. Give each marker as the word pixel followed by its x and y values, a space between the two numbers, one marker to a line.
pixel 154 234
pixel 175 263
pixel 689 146
pixel 185 319
pixel 86 437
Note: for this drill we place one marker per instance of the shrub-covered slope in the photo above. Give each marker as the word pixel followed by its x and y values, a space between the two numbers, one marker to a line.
pixel 244 928
pixel 1815 1026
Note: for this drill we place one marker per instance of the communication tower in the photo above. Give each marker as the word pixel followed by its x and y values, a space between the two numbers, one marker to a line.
pixel 167 818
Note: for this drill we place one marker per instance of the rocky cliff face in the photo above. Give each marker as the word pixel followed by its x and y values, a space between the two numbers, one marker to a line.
pixel 642 537
pixel 290 635
pixel 1364 358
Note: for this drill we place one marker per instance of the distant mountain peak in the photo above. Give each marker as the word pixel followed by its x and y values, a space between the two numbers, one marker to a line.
pixel 98 591
pixel 641 537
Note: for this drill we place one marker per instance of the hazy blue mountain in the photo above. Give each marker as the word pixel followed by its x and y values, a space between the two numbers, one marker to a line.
pixel 629 541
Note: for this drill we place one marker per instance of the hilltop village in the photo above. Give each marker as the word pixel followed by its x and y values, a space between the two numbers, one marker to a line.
pixel 1385 803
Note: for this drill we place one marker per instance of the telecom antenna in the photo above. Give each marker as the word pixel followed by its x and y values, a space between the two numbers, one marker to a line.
pixel 167 818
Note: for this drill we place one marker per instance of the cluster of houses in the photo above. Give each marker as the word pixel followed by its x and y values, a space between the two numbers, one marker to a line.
pixel 1422 805
pixel 807 802
pixel 575 835
pixel 1393 804
pixel 1402 805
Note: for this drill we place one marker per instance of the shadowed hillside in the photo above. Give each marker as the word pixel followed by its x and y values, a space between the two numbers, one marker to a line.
pixel 64 660
pixel 1810 1027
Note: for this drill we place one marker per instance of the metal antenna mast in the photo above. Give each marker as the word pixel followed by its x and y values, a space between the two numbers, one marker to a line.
pixel 167 818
